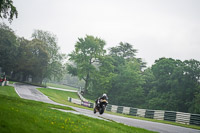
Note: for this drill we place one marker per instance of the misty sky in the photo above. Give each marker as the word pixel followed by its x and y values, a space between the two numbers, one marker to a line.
pixel 156 28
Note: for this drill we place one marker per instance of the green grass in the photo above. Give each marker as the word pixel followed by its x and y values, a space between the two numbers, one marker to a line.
pixel 21 116
pixel 61 97
pixel 58 95
pixel 61 86
pixel 8 91
pixel 12 82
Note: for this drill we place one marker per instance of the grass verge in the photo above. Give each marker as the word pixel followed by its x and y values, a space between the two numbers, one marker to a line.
pixel 61 96
pixel 61 86
pixel 8 91
pixel 12 82
pixel 58 95
pixel 21 116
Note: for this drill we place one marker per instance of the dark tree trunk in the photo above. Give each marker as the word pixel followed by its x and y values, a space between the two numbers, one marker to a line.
pixel 86 83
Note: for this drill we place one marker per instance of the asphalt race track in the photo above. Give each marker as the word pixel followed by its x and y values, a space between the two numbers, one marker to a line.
pixel 30 92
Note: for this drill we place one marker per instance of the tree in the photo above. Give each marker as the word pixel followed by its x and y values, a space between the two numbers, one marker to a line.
pixel 175 85
pixel 127 86
pixel 32 60
pixel 162 70
pixel 149 79
pixel 127 83
pixel 7 10
pixel 22 67
pixel 55 68
pixel 164 88
pixel 38 60
pixel 101 80
pixel 8 48
pixel 195 106
pixel 191 75
pixel 124 50
pixel 87 52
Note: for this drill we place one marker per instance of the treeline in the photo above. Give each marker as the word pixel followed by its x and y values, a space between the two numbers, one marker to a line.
pixel 168 84
pixel 33 60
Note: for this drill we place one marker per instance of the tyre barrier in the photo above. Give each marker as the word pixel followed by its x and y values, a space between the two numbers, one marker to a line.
pixel 114 108
pixel 120 109
pixel 141 112
pixel 195 119
pixel 149 114
pixel 183 118
pixel 170 116
pixel 108 107
pixel 178 117
pixel 4 83
pixel 158 114
pixel 126 110
pixel 133 111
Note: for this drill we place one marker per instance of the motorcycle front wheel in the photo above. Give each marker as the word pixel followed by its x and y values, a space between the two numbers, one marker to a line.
pixel 101 111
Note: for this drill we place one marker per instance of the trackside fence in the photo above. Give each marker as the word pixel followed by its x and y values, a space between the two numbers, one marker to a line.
pixel 80 102
pixel 4 83
pixel 178 117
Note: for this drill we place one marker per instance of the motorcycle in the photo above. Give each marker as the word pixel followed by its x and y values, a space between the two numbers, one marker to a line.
pixel 101 106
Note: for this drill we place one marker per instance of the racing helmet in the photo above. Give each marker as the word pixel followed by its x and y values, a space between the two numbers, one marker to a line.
pixel 105 96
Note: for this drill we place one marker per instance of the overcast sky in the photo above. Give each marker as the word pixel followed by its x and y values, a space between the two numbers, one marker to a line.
pixel 156 28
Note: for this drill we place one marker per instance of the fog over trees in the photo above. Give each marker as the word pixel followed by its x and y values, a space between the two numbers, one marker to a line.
pixel 35 59
pixel 169 84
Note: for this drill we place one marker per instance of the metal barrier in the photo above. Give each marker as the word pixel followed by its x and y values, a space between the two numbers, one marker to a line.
pixel 80 102
pixel 76 101
pixel 81 97
pixel 86 104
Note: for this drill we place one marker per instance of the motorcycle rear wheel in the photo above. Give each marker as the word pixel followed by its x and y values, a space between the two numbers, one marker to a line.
pixel 95 111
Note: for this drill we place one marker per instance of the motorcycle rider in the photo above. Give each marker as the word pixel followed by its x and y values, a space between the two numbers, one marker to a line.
pixel 103 97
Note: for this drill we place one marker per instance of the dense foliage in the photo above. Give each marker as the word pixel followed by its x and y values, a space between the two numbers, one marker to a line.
pixel 173 85
pixel 169 84
pixel 35 59
pixel 88 51
pixel 7 10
